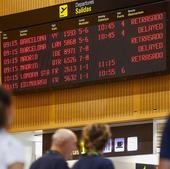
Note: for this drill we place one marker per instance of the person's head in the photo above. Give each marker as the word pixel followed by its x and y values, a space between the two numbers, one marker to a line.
pixel 65 142
pixel 96 136
pixel 5 108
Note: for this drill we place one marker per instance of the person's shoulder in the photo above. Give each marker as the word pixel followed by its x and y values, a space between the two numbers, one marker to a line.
pixel 57 157
pixel 106 163
pixel 60 162
pixel 167 130
pixel 46 159
pixel 53 158
pixel 81 161
pixel 35 163
pixel 165 145
pixel 168 122
pixel 49 156
pixel 103 160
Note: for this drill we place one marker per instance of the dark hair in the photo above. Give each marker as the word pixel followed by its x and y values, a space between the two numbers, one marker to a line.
pixel 96 136
pixel 5 102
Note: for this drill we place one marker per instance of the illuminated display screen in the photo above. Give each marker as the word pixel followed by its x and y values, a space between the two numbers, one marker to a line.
pixel 98 47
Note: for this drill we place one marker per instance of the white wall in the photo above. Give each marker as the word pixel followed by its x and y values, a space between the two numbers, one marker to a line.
pixel 32 142
pixel 152 159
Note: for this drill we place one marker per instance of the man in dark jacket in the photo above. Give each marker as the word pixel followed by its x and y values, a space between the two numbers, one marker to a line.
pixel 63 143
pixel 165 148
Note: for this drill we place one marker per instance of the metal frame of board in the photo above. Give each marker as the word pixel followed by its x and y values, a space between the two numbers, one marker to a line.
pixel 51 14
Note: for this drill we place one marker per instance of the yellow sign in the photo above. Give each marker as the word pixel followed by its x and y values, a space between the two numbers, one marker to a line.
pixel 63 11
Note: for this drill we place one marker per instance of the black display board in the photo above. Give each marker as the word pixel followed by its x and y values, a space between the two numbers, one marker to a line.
pixel 71 52
pixel 146 166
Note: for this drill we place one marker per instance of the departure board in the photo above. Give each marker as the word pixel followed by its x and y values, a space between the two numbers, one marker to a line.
pixel 87 49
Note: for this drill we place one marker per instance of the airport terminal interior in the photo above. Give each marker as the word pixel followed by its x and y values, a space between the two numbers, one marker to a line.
pixel 73 63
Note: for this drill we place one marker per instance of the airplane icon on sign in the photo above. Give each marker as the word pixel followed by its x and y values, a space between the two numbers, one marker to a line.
pixel 63 11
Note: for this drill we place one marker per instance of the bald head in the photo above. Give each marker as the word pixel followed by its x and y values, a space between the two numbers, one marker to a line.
pixel 62 136
pixel 64 141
